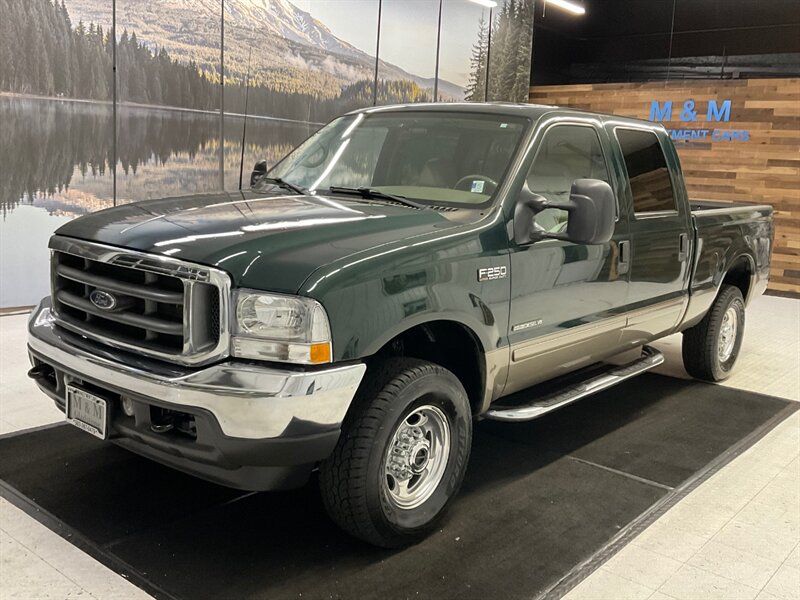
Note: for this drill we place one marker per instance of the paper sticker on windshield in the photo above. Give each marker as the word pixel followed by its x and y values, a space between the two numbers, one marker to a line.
pixel 477 187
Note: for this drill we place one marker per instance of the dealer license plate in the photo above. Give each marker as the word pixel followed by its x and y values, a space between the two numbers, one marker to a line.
pixel 87 411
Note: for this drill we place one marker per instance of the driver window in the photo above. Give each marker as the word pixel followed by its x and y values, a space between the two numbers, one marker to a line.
pixel 566 153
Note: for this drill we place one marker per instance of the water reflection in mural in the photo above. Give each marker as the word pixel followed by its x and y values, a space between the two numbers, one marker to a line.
pixel 56 165
pixel 305 61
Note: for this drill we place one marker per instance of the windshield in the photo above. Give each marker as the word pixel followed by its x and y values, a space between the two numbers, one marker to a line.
pixel 436 157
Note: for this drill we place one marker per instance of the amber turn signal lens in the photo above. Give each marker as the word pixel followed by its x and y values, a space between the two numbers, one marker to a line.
pixel 320 353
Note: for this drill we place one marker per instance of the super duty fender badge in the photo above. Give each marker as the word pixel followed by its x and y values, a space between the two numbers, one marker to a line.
pixel 492 273
pixel 527 325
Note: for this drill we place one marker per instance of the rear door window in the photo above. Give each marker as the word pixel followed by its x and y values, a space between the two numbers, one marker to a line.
pixel 651 185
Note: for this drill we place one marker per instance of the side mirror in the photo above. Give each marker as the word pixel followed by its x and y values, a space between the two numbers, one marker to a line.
pixel 591 209
pixel 259 170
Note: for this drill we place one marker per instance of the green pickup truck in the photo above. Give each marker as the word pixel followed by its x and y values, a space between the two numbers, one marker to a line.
pixel 403 272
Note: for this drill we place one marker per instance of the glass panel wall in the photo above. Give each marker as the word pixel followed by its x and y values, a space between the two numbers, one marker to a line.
pixel 76 139
pixel 510 58
pixel 168 98
pixel 408 51
pixel 462 48
pixel 280 73
pixel 56 144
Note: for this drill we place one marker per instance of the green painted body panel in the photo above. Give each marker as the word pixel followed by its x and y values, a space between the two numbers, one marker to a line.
pixel 270 242
pixel 380 292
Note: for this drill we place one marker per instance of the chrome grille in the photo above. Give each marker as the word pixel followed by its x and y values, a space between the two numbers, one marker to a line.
pixel 156 305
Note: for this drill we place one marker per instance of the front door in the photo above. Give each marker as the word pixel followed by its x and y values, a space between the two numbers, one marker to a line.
pixel 567 299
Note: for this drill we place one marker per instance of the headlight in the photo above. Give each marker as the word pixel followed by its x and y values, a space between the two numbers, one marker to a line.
pixel 280 327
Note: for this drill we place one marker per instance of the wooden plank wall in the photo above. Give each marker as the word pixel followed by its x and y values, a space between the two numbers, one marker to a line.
pixel 764 169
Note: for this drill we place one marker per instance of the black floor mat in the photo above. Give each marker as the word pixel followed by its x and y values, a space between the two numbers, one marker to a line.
pixel 539 498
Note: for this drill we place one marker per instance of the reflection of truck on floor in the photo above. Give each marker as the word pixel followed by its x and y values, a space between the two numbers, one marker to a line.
pixel 399 274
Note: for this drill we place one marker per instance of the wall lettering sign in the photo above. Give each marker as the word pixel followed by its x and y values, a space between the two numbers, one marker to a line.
pixel 716 111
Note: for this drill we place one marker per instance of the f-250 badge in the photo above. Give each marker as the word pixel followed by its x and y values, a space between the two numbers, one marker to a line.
pixel 492 273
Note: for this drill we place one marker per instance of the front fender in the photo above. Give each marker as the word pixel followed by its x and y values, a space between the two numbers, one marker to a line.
pixel 374 299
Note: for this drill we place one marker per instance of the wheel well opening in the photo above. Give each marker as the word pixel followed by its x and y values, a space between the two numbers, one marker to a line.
pixel 450 345
pixel 740 275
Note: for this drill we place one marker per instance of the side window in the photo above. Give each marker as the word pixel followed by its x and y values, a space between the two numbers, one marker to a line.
pixel 651 186
pixel 565 153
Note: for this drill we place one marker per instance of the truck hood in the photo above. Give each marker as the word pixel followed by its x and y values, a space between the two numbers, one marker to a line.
pixel 270 242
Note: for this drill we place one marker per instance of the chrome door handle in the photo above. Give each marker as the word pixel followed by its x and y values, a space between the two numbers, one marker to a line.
pixel 624 258
pixel 683 246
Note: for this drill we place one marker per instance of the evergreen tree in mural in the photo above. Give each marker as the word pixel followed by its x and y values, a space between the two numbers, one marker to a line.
pixel 43 53
pixel 510 57
pixel 521 69
pixel 477 65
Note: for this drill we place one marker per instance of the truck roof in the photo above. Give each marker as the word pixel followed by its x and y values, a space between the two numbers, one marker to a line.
pixel 531 111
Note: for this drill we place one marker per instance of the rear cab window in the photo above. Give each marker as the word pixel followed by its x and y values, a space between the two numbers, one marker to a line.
pixel 651 186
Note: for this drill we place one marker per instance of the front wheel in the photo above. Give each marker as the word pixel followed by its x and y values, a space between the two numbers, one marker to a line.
pixel 402 454
pixel 711 347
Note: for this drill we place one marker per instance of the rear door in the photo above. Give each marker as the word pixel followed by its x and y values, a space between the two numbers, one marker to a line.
pixel 568 300
pixel 660 221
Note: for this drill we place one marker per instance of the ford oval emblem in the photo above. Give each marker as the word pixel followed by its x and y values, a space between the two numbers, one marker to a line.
pixel 103 300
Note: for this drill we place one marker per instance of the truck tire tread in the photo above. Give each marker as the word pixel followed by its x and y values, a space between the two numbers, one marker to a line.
pixel 343 476
pixel 699 347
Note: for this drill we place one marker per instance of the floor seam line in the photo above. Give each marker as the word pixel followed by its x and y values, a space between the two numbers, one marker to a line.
pixel 47 562
pixel 626 578
pixel 119 540
pixel 622 473
pixel 711 539
pixel 710 572
pixel 630 532
pixel 83 543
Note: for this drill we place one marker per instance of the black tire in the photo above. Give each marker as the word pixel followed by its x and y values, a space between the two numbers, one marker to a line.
pixel 700 343
pixel 353 480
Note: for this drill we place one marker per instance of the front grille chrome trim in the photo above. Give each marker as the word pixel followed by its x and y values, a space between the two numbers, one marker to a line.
pixel 113 285
pixel 167 327
pixel 194 353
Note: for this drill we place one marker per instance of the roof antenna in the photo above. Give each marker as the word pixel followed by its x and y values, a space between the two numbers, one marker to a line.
pixel 244 125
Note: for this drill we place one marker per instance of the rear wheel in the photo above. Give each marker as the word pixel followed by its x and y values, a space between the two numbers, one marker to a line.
pixel 402 454
pixel 711 347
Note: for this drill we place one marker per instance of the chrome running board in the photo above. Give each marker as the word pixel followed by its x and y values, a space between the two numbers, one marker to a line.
pixel 650 358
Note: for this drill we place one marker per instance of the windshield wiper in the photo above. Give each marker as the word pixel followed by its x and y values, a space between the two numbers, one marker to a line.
pixel 285 185
pixel 372 194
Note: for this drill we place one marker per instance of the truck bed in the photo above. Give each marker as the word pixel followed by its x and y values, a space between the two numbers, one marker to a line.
pixel 702 206
pixel 728 236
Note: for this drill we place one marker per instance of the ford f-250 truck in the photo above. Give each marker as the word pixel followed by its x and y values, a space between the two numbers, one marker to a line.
pixel 401 273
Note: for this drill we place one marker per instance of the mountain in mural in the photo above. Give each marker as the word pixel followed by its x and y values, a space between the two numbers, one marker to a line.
pixel 284 19
pixel 291 50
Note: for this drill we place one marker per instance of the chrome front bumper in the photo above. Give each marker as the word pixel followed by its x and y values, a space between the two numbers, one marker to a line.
pixel 249 401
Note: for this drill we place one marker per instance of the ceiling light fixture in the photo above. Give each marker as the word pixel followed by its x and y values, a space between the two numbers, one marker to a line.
pixel 566 5
pixel 486 3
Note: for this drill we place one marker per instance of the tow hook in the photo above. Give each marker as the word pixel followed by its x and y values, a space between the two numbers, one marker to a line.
pixel 41 372
pixel 161 427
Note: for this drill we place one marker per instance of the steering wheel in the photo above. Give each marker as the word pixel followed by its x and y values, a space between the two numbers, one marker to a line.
pixel 316 158
pixel 488 189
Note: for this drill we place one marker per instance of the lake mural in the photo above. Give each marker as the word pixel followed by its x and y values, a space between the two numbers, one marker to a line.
pixel 291 66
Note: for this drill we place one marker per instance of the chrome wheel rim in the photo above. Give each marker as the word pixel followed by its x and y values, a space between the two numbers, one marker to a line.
pixel 416 457
pixel 727 334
